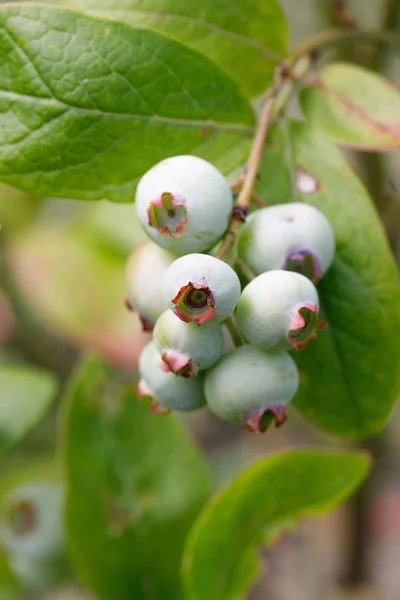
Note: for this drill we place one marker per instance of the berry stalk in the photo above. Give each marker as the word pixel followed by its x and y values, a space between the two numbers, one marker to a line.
pixel 273 104
pixel 243 200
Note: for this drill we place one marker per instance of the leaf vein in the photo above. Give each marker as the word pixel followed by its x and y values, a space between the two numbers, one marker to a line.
pixel 128 116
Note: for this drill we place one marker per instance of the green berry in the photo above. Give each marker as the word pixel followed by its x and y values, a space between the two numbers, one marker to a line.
pixel 186 348
pixel 279 309
pixel 144 275
pixel 250 387
pixel 296 237
pixel 165 390
pixel 199 287
pixel 32 531
pixel 184 204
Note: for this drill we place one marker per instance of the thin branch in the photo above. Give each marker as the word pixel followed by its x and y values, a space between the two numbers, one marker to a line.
pixel 237 182
pixel 234 333
pixel 301 56
pixel 256 151
pixel 247 272
pixel 338 36
pixel 250 176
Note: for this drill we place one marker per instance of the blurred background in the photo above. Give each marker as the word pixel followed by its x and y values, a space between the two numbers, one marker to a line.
pixel 62 291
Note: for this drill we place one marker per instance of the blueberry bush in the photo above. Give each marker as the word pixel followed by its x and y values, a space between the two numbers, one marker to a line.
pixel 183 200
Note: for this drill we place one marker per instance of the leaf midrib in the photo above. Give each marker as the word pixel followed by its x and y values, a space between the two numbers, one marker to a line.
pixel 359 113
pixel 55 103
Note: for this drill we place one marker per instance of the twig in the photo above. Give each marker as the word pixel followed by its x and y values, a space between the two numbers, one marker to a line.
pixel 237 182
pixel 338 36
pixel 301 56
pixel 250 177
pixel 234 333
pixel 247 272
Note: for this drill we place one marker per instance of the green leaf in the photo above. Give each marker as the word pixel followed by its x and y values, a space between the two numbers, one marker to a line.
pixel 87 106
pixel 221 559
pixel 355 107
pixel 135 484
pixel 248 38
pixel 26 394
pixel 350 375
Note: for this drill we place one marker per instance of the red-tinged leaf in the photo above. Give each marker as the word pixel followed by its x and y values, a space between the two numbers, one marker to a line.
pixel 354 107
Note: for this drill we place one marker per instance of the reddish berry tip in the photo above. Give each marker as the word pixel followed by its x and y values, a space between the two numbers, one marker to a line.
pixel 129 305
pixel 22 517
pixel 258 420
pixel 147 325
pixel 180 364
pixel 168 215
pixel 305 263
pixel 194 302
pixel 157 409
pixel 304 326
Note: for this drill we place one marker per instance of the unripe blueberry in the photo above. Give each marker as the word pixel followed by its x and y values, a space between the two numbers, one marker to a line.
pixel 144 275
pixel 199 287
pixel 186 348
pixel 166 391
pixel 184 203
pixel 296 237
pixel 279 309
pixel 251 387
pixel 32 531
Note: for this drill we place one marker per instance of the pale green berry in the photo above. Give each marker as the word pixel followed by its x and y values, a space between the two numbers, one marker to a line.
pixel 186 348
pixel 296 237
pixel 279 309
pixel 199 287
pixel 144 273
pixel 184 204
pixel 165 390
pixel 32 531
pixel 250 387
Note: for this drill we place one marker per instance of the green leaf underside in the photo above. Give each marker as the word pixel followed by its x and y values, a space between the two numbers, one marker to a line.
pixel 135 484
pixel 220 559
pixel 87 106
pixel 26 394
pixel 350 375
pixel 248 38
pixel 355 107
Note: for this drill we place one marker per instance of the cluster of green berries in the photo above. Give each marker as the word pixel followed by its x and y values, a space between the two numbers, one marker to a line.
pixel 184 295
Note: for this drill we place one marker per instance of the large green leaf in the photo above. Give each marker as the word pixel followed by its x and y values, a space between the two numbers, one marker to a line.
pixel 135 485
pixel 350 376
pixel 246 37
pixel 26 395
pixel 354 107
pixel 87 106
pixel 220 559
